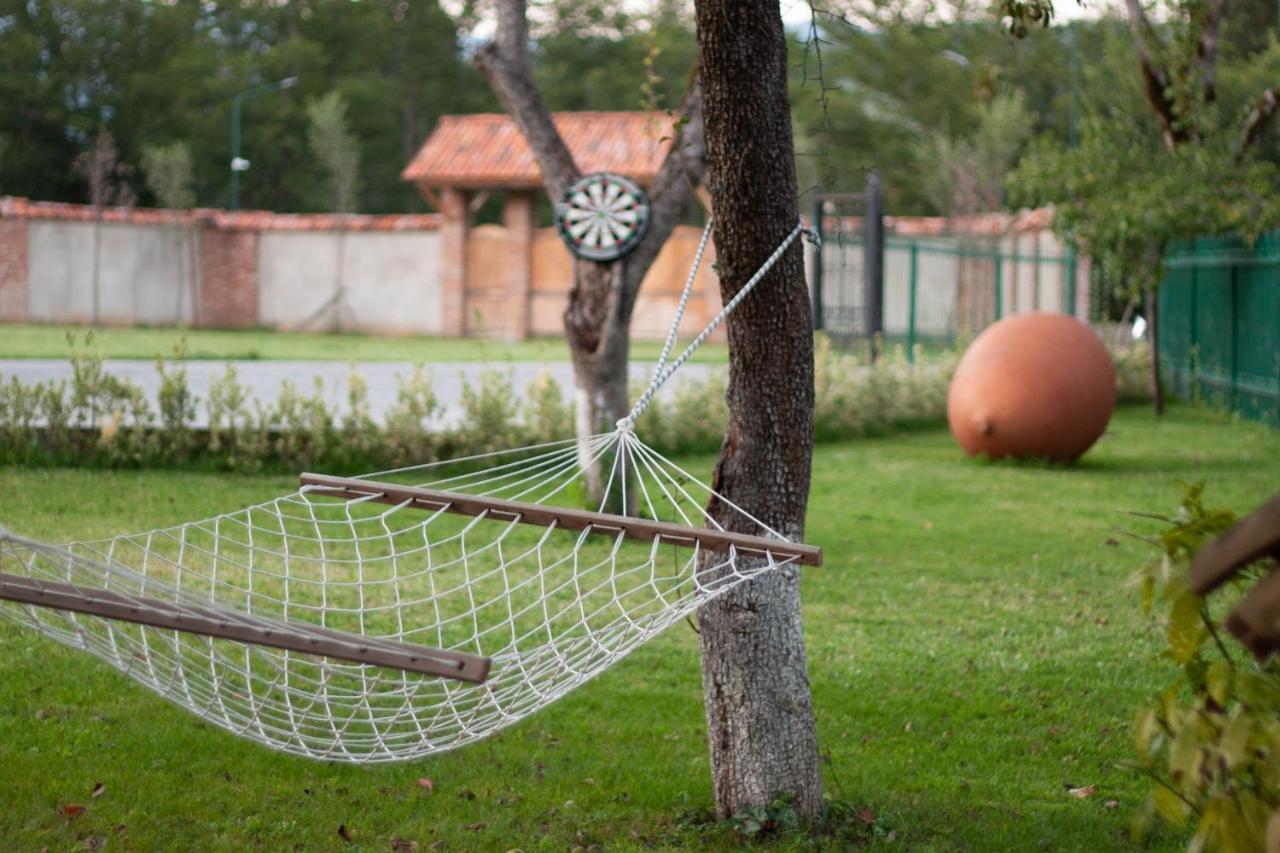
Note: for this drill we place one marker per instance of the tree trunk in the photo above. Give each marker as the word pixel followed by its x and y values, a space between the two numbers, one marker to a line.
pixel 598 316
pixel 1157 390
pixel 760 721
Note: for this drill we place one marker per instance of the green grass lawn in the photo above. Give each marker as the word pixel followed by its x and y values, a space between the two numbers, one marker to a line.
pixel 50 341
pixel 973 647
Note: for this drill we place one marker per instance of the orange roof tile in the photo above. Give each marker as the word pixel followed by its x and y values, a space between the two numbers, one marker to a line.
pixel 487 150
pixel 17 207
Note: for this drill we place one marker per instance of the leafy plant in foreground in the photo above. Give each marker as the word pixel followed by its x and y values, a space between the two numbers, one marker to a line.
pixel 1210 741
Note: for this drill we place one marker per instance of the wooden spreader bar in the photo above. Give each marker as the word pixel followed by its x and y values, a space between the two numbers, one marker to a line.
pixel 243 628
pixel 562 517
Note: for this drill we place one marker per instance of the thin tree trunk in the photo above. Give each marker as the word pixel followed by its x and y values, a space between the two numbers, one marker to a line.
pixel 1157 390
pixel 597 318
pixel 760 723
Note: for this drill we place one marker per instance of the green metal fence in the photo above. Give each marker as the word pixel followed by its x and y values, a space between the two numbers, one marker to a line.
pixel 945 288
pixel 1219 313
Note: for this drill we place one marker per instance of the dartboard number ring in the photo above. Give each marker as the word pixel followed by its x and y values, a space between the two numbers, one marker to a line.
pixel 603 216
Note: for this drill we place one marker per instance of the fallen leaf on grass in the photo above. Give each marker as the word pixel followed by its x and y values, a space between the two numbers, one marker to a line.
pixel 70 812
pixel 98 790
pixel 402 845
pixel 426 783
pixel 1083 793
pixel 867 816
pixel 343 834
pixel 476 827
pixel 1112 804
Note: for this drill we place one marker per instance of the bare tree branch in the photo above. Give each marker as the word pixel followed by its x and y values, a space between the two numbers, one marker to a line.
pixel 1259 118
pixel 505 64
pixel 1207 48
pixel 1154 77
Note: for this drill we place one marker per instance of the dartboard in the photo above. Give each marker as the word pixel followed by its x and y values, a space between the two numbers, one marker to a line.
pixel 603 216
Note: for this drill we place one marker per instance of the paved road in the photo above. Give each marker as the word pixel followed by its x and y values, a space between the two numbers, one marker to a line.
pixel 263 378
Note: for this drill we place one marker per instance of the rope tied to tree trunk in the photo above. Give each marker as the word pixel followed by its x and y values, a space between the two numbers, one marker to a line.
pixel 664 371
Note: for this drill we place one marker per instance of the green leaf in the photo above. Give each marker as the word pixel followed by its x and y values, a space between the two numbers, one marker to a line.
pixel 1186 628
pixel 1145 728
pixel 1234 743
pixel 1208 827
pixel 1142 819
pixel 1218 682
pixel 1258 690
pixel 1170 806
pixel 1185 755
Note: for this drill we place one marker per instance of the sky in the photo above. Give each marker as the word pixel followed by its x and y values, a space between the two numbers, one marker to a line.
pixel 796 13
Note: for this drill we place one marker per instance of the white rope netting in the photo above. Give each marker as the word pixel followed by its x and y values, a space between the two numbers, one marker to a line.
pixel 551 607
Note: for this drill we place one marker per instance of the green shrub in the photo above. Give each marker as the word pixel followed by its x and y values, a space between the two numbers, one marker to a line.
pixel 177 406
pixel 1133 373
pixel 99 419
pixel 301 426
pixel 408 436
pixel 546 416
pixel 1210 741
pixel 239 426
pixel 489 416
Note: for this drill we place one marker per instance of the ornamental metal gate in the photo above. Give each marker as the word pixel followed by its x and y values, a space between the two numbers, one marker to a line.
pixel 873 283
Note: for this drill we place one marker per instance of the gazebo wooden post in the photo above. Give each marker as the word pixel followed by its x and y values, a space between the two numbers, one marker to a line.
pixel 455 208
pixel 518 218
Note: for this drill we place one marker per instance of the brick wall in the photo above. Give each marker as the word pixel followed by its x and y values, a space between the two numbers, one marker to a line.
pixel 228 279
pixel 13 270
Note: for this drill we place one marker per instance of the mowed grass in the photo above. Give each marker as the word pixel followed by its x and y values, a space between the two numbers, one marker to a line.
pixel 974 650
pixel 50 341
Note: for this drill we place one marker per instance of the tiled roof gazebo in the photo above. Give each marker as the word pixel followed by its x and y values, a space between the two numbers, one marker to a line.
pixel 467 157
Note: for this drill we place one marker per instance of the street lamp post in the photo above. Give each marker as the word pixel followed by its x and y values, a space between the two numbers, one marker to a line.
pixel 238 163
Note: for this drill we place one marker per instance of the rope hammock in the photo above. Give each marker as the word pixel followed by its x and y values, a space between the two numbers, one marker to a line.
pixel 399 614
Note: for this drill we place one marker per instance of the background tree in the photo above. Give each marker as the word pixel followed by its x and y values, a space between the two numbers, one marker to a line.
pixel 760 723
pixel 153 71
pixel 1131 187
pixel 108 182
pixel 965 176
pixel 598 316
pixel 169 176
pixel 336 149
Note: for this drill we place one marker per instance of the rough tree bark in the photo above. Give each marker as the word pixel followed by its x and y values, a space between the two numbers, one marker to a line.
pixel 755 681
pixel 598 317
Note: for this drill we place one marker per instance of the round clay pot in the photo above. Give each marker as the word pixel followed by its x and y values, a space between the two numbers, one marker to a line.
pixel 1032 386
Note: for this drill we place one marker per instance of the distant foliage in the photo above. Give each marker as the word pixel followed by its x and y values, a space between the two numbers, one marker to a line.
pixel 1210 741
pixel 107 176
pixel 169 174
pixel 336 149
pixel 966 175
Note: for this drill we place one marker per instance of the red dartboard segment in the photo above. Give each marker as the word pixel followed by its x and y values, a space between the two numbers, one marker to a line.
pixel 603 216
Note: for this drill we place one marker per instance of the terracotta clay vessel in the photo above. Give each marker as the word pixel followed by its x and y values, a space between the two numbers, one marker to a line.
pixel 1032 386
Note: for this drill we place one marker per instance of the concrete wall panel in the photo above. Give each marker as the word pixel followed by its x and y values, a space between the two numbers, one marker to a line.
pixel 142 274
pixel 393 281
pixel 60 272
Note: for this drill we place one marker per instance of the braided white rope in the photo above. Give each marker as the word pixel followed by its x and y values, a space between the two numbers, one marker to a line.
pixel 666 371
pixel 684 298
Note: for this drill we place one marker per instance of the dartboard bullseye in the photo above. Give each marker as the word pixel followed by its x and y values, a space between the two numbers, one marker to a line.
pixel 603 216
